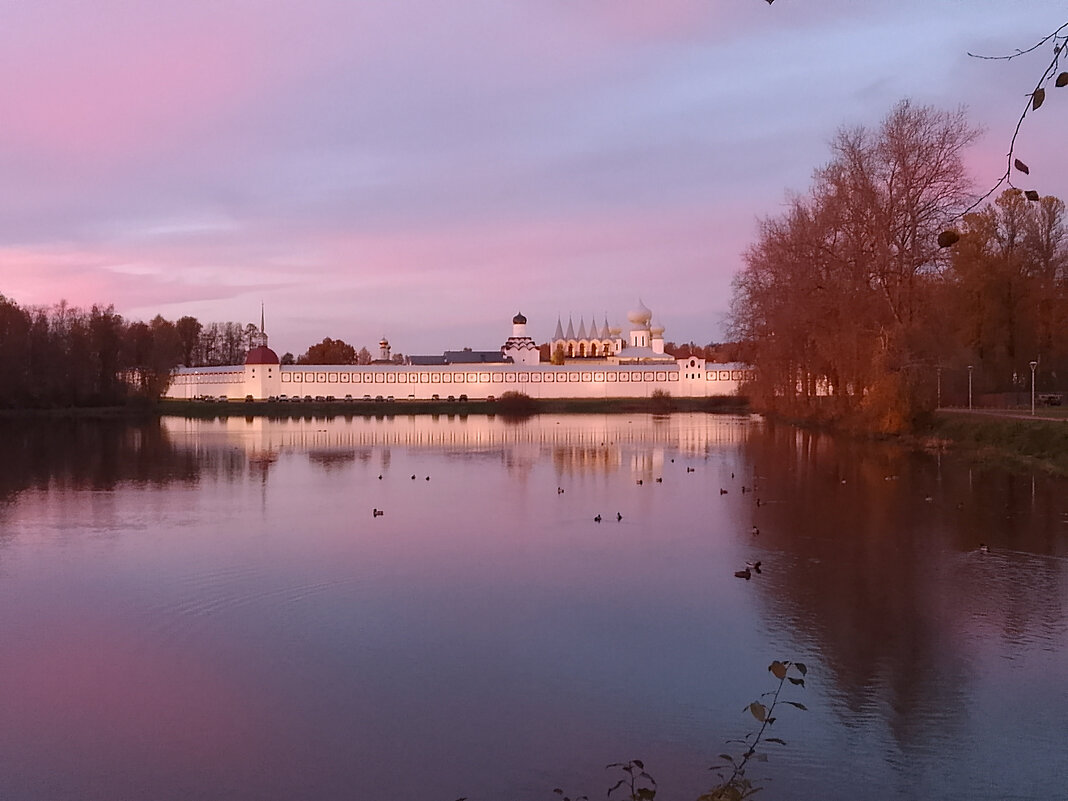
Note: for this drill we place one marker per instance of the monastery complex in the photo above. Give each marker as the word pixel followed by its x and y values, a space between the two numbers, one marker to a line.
pixel 599 362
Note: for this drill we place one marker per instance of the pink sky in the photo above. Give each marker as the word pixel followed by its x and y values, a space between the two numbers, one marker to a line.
pixel 424 170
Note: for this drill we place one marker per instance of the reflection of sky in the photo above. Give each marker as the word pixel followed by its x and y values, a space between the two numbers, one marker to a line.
pixel 260 631
pixel 354 164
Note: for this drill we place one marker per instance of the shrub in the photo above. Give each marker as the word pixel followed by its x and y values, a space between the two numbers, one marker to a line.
pixel 516 404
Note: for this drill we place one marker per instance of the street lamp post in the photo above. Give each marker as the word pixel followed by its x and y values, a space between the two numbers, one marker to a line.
pixel 1033 366
pixel 970 387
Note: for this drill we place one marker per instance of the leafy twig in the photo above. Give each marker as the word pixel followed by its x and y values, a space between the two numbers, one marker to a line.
pixel 737 786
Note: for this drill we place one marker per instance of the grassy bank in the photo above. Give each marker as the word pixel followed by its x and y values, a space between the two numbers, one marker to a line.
pixel 1039 444
pixel 502 407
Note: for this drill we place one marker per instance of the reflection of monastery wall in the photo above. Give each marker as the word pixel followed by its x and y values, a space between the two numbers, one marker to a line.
pixel 690 378
pixel 690 434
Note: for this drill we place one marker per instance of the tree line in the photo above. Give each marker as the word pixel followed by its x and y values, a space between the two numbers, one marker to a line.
pixel 854 309
pixel 62 356
pixel 718 352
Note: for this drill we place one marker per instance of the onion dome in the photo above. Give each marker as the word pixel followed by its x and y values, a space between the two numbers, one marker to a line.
pixel 656 330
pixel 261 354
pixel 640 315
pixel 519 319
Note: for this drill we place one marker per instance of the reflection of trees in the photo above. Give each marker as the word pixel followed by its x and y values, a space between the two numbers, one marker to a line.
pixel 97 454
pixel 880 567
pixel 88 454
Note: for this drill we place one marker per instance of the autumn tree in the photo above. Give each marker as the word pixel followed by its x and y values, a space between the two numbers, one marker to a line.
pixel 189 329
pixel 1009 289
pixel 106 332
pixel 154 350
pixel 833 301
pixel 329 351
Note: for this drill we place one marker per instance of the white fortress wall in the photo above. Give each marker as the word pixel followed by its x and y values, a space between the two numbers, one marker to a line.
pixel 193 382
pixel 684 378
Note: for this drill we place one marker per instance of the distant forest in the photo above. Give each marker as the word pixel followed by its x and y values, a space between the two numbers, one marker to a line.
pixel 61 357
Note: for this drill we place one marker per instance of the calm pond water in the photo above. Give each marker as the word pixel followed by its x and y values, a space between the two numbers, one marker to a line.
pixel 209 609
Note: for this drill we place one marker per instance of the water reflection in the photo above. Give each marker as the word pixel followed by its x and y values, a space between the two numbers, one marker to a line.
pixel 94 454
pixel 217 597
pixel 884 579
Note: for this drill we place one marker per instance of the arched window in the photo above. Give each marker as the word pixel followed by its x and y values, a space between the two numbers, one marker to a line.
pixel 570 349
pixel 593 349
pixel 582 349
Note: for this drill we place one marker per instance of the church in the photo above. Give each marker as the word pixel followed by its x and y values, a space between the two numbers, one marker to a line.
pixel 644 343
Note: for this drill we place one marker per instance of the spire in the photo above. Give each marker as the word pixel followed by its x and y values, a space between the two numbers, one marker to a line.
pixel 582 328
pixel 261 317
pixel 559 330
pixel 570 328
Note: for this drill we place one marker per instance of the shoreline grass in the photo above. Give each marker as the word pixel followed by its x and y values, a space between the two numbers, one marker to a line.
pixel 1017 441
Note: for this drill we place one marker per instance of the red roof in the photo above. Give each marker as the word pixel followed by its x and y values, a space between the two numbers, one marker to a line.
pixel 261 354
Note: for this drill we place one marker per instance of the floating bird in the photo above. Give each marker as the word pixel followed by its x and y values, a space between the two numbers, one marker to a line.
pixel 743 574
pixel 413 476
pixel 732 475
pixel 379 476
pixel 619 516
pixel 640 482
pixel 673 461
pixel 984 548
pixel 377 513
pixel 660 481
pixel 428 478
pixel 722 491
pixel 754 566
pixel 758 503
pixel 756 531
pixel 690 469
pixel 597 519
pixel 559 490
pixel 743 489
